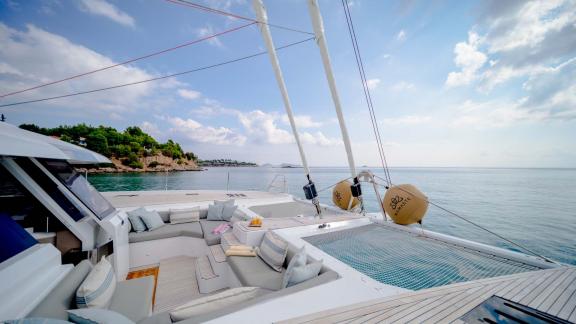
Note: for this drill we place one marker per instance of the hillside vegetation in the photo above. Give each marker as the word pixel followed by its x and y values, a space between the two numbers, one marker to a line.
pixel 131 149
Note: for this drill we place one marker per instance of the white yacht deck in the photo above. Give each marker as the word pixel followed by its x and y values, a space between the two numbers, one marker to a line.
pixel 122 199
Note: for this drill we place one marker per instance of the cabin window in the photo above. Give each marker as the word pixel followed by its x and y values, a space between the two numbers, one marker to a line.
pixel 50 188
pixel 80 187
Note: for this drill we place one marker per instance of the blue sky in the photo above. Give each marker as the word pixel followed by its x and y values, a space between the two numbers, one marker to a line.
pixel 454 83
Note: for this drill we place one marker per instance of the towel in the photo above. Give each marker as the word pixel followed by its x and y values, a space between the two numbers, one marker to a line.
pixel 241 247
pixel 220 229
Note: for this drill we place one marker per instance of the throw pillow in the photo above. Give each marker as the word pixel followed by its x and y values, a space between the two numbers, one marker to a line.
pixel 97 289
pixel 303 273
pixel 298 260
pixel 273 251
pixel 135 220
pixel 215 212
pixel 96 316
pixel 152 220
pixel 214 302
pixel 178 216
pixel 228 211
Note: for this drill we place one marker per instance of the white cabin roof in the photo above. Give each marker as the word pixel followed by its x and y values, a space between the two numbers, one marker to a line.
pixel 15 141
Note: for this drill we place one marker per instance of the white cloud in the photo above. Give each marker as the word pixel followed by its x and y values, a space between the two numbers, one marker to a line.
pixel 469 59
pixel 35 56
pixel 207 31
pixel 372 83
pixel 302 121
pixel 401 36
pixel 196 132
pixel 263 127
pixel 402 86
pixel 108 10
pixel 151 129
pixel 407 120
pixel 189 94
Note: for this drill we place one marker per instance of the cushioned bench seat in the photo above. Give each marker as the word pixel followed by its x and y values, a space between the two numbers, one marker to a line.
pixel 253 272
pixel 169 230
pixel 133 298
pixel 207 228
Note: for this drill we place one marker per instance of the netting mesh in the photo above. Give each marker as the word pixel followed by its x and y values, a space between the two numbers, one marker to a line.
pixel 410 261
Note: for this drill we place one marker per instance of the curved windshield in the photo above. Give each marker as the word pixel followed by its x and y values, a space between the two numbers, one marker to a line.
pixel 81 188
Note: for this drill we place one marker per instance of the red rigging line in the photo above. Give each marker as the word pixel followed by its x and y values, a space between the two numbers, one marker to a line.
pixel 229 14
pixel 132 60
pixel 208 9
pixel 156 78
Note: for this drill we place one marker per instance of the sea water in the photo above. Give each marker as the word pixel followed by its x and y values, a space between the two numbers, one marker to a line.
pixel 533 207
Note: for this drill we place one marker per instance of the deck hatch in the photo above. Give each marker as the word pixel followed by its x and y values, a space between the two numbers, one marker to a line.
pixel 499 310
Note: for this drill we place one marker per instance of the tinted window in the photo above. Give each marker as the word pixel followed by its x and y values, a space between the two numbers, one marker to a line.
pixel 50 188
pixel 80 187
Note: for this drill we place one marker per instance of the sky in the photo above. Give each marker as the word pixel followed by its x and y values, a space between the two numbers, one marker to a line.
pixel 454 83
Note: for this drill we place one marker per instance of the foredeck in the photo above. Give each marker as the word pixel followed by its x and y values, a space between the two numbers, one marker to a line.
pixel 552 291
pixel 122 199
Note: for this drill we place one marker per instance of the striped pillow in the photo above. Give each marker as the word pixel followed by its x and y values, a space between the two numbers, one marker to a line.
pixel 273 251
pixel 97 289
pixel 178 216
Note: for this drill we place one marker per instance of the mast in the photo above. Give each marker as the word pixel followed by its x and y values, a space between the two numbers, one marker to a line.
pixel 318 26
pixel 262 17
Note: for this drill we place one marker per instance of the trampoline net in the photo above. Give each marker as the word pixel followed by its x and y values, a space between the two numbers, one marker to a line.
pixel 410 261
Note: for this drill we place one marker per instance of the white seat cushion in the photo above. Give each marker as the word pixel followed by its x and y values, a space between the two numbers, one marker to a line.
pixel 97 289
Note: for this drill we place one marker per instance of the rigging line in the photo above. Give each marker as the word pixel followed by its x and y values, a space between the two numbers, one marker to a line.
pixel 225 13
pixel 471 222
pixel 360 63
pixel 363 80
pixel 131 60
pixel 330 186
pixel 158 78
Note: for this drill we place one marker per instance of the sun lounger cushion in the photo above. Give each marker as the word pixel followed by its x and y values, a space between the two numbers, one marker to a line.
pixel 62 296
pixel 207 227
pixel 97 289
pixel 186 229
pixel 85 316
pixel 253 272
pixel 273 250
pixel 133 298
pixel 214 302
pixel 178 216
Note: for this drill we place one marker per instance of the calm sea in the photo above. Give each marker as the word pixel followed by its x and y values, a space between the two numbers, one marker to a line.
pixel 534 207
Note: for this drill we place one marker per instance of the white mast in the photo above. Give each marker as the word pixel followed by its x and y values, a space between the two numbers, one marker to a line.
pixel 262 18
pixel 318 26
pixel 321 41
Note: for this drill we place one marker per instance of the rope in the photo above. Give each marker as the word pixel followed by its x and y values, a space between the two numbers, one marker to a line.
pixel 130 60
pixel 157 78
pixel 229 14
pixel 468 221
pixel 367 95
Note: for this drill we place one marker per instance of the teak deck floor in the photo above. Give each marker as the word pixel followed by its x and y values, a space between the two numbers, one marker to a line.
pixel 552 291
